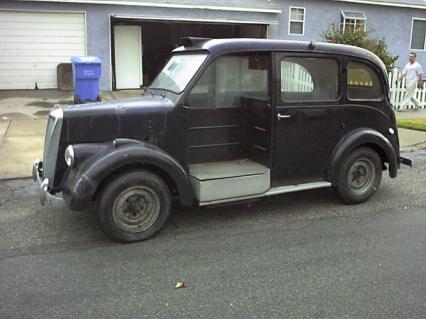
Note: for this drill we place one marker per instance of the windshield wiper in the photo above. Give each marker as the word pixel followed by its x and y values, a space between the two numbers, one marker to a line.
pixel 163 89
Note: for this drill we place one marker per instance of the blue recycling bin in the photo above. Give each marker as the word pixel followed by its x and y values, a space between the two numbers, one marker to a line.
pixel 86 73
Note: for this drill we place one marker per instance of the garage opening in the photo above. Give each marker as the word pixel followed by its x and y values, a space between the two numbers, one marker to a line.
pixel 140 48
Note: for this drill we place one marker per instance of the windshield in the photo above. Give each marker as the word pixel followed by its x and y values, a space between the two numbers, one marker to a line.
pixel 177 73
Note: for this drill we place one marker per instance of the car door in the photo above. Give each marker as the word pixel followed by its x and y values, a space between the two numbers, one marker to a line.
pixel 229 101
pixel 307 124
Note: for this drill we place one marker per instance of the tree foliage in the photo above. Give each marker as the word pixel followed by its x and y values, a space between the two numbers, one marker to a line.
pixel 362 39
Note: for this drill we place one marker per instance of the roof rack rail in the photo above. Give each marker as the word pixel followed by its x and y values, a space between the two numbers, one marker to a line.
pixel 191 41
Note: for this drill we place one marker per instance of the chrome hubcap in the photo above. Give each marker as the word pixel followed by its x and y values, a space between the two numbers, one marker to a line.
pixel 361 175
pixel 136 209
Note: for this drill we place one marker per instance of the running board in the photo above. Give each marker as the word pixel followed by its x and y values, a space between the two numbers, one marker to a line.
pixel 272 191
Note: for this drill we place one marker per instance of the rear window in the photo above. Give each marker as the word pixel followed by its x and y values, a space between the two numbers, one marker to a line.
pixel 363 82
pixel 309 79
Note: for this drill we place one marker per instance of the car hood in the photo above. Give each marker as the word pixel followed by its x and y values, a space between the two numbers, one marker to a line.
pixel 138 118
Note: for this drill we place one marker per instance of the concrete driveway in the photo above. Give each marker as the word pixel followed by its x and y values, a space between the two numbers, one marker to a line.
pixel 23 118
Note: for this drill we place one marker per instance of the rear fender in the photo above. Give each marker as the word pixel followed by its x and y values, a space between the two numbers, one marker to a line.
pixel 357 138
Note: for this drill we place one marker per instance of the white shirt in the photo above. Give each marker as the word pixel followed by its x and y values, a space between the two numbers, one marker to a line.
pixel 412 71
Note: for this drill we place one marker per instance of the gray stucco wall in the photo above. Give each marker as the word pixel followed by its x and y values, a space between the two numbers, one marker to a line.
pixel 394 24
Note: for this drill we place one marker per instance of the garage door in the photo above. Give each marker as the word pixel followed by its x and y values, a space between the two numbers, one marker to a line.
pixel 32 44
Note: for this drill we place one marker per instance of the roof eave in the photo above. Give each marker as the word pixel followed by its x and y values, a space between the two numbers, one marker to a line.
pixel 167 5
pixel 386 4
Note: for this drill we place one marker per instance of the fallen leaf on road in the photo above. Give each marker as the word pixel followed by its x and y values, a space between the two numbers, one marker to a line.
pixel 180 284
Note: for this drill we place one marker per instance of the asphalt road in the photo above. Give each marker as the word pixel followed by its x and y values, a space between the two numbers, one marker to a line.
pixel 302 255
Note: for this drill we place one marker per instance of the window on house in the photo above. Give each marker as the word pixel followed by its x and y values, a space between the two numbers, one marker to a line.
pixel 418 35
pixel 354 20
pixel 363 82
pixel 297 21
pixel 309 79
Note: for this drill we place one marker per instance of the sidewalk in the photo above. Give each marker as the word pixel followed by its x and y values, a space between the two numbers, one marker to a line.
pixel 411 140
pixel 23 117
pixel 411 113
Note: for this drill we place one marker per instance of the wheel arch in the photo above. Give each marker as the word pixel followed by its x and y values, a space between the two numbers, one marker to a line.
pixel 139 166
pixel 81 184
pixel 363 137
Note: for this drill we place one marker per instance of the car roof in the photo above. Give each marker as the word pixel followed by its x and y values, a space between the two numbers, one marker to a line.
pixel 218 47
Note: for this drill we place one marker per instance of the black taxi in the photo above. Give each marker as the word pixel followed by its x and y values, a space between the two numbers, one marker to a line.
pixel 226 120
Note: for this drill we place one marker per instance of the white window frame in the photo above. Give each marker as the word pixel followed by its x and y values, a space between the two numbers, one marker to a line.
pixel 411 35
pixel 299 21
pixel 356 19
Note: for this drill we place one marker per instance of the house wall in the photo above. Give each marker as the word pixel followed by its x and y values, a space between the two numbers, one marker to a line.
pixel 394 24
pixel 98 23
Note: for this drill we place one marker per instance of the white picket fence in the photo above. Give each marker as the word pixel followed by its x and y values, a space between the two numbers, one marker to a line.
pixel 295 78
pixel 397 91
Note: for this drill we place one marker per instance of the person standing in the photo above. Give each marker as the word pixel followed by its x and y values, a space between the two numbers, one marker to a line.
pixel 412 72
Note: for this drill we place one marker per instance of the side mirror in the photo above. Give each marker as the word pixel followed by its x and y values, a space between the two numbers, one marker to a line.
pixel 186 103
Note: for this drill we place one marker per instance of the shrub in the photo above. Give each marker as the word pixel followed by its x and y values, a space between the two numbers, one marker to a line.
pixel 361 38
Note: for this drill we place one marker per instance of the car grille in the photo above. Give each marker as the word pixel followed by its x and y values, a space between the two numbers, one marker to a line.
pixel 51 144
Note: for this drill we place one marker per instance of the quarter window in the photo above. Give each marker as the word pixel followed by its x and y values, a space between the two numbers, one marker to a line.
pixel 353 20
pixel 230 78
pixel 309 79
pixel 363 82
pixel 297 21
pixel 418 35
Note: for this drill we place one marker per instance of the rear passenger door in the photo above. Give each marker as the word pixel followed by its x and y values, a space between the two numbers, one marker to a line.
pixel 307 117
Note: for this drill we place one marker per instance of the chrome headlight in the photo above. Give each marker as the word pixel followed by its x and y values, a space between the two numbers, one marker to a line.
pixel 69 156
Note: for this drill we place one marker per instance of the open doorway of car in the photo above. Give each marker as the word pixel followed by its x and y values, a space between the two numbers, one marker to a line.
pixel 140 48
pixel 229 128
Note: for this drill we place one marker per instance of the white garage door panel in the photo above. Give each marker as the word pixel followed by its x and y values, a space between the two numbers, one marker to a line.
pixel 43 74
pixel 59 39
pixel 38 53
pixel 46 46
pixel 39 33
pixel 40 26
pixel 22 68
pixel 34 43
pixel 48 17
pixel 41 61
pixel 9 85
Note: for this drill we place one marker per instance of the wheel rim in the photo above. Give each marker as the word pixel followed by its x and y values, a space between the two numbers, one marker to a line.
pixel 136 209
pixel 361 176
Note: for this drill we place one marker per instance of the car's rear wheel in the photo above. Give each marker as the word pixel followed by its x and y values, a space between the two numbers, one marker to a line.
pixel 134 206
pixel 360 176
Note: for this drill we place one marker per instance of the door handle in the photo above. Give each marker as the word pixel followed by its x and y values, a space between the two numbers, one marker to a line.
pixel 283 116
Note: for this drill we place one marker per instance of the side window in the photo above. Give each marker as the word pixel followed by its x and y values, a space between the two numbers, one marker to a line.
pixel 309 79
pixel 363 82
pixel 229 78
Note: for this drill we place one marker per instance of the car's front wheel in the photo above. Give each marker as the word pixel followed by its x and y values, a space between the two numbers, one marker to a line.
pixel 133 206
pixel 360 176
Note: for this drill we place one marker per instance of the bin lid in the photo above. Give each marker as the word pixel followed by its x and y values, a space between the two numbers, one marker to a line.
pixel 85 59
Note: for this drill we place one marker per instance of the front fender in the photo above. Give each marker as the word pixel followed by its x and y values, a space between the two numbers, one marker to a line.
pixel 80 184
pixel 355 139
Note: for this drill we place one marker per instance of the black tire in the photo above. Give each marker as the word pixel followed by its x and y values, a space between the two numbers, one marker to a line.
pixel 133 206
pixel 359 176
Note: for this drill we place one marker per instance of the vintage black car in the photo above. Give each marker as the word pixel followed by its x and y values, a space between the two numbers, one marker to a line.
pixel 225 121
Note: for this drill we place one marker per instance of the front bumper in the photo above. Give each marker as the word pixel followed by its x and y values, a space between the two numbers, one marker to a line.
pixel 44 195
pixel 406 161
